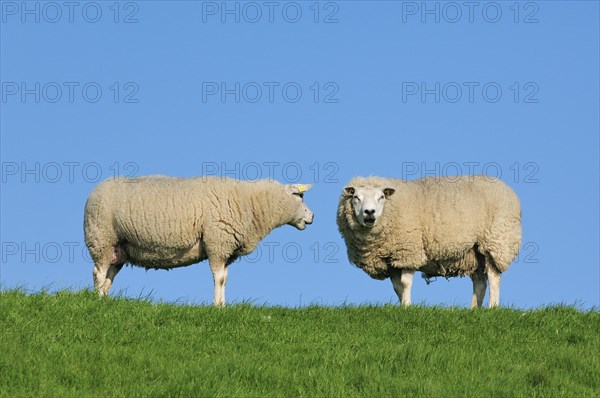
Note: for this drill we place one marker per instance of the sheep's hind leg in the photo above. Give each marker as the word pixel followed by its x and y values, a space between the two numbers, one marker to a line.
pixel 494 278
pixel 479 286
pixel 110 276
pixel 119 258
pixel 402 282
pixel 106 268
pixel 479 279
pixel 100 270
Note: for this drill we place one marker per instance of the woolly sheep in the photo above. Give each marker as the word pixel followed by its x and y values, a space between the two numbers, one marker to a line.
pixel 166 222
pixel 441 226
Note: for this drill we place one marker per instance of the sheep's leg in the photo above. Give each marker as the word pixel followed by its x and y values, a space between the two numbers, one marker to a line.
pixel 407 280
pixel 402 282
pixel 219 271
pixel 494 279
pixel 110 276
pixel 106 268
pixel 100 270
pixel 479 286
pixel 395 277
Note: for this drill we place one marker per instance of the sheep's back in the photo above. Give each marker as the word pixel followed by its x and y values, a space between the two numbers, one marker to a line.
pixel 157 211
pixel 458 212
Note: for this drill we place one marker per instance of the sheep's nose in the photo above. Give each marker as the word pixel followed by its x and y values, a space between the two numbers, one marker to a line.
pixel 369 212
pixel 310 218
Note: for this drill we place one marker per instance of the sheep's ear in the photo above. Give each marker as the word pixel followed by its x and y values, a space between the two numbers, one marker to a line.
pixel 388 192
pixel 297 188
pixel 349 191
pixel 303 187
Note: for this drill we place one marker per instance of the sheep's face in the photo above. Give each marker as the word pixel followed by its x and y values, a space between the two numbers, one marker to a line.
pixel 301 214
pixel 368 203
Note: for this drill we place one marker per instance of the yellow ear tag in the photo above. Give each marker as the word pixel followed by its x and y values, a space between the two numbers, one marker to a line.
pixel 303 188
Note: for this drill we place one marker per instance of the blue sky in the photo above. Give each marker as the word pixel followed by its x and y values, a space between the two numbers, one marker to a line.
pixel 306 93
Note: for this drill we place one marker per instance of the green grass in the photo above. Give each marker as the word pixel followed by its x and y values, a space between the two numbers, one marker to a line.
pixel 76 344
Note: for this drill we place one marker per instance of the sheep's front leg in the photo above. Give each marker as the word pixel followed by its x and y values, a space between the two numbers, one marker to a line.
pixel 219 271
pixel 494 280
pixel 402 281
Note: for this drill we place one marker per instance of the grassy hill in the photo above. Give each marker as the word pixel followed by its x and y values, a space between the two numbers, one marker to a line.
pixel 75 344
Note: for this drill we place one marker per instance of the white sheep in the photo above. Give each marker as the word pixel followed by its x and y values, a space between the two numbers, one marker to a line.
pixel 441 226
pixel 165 222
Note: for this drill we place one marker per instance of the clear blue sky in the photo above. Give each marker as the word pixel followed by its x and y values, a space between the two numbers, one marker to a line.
pixel 342 89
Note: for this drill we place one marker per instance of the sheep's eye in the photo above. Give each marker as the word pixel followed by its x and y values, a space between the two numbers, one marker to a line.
pixel 381 197
pixel 356 198
pixel 299 194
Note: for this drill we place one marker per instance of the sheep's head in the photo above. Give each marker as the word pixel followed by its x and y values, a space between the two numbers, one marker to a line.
pixel 368 203
pixel 301 214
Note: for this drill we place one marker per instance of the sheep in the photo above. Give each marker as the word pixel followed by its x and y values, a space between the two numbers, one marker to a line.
pixel 440 226
pixel 166 222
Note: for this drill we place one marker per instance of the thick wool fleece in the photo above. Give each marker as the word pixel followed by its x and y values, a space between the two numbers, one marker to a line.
pixel 436 225
pixel 166 222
